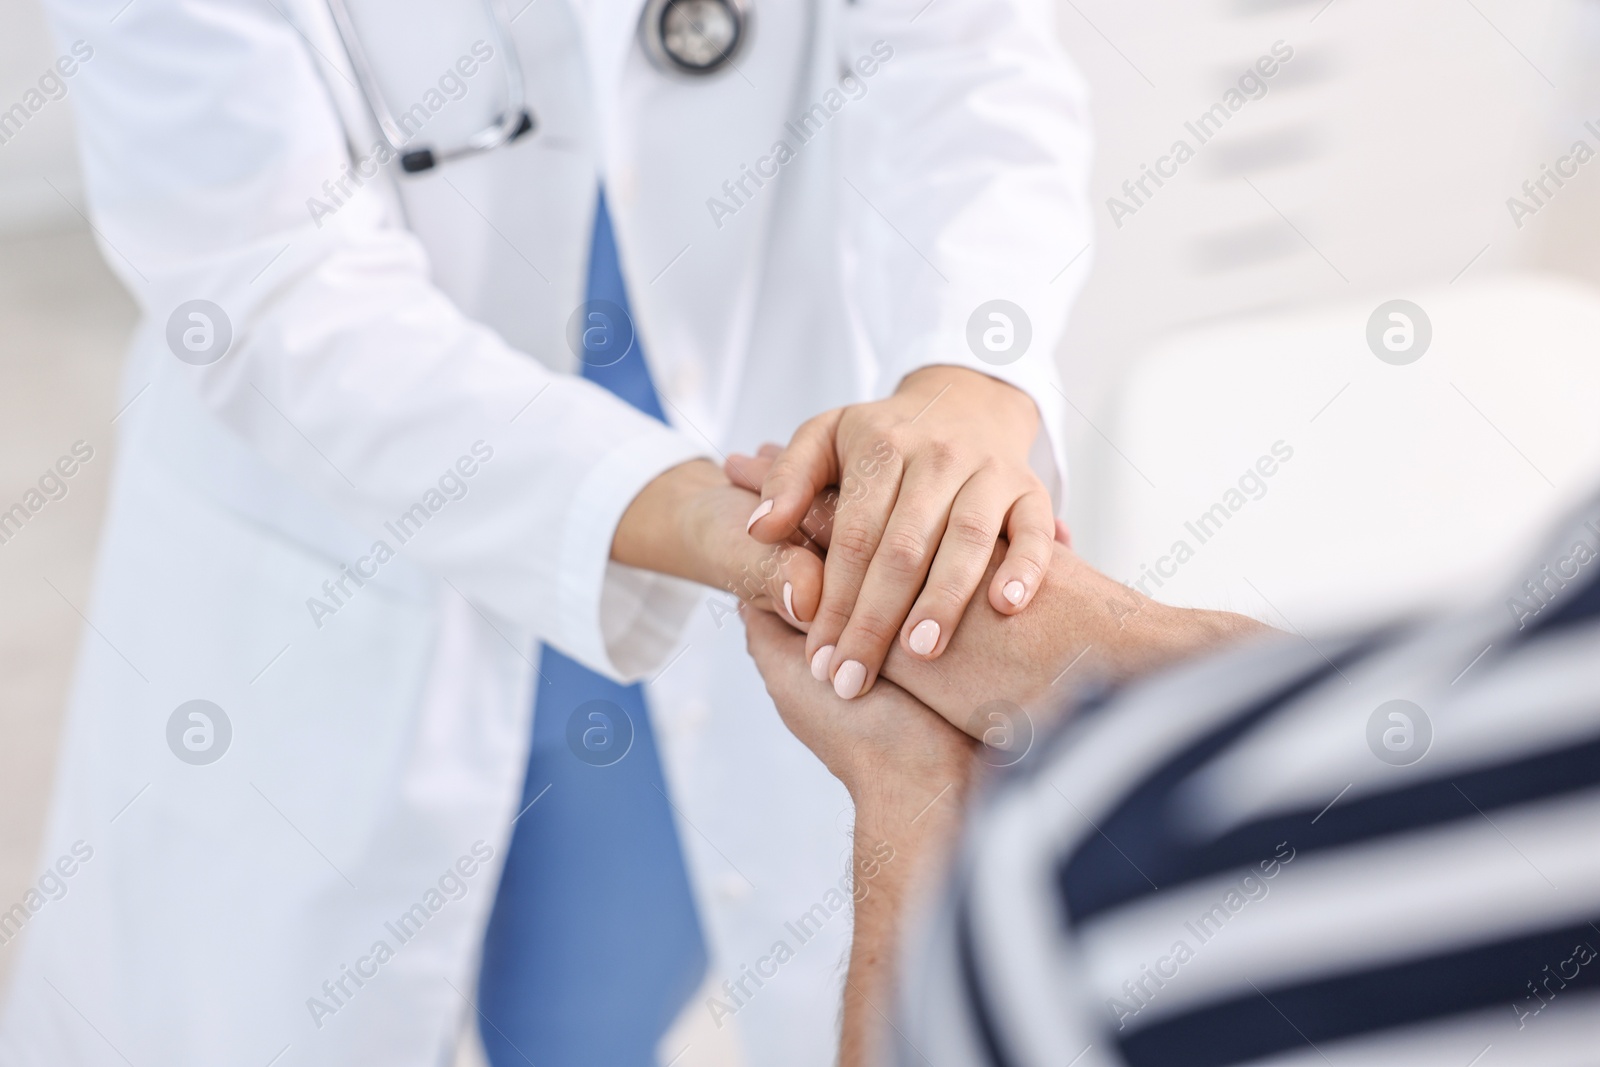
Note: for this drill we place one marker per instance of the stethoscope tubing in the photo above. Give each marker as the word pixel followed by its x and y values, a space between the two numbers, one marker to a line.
pixel 516 120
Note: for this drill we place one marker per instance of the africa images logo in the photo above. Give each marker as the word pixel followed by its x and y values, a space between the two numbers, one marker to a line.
pixel 199 732
pixel 1399 732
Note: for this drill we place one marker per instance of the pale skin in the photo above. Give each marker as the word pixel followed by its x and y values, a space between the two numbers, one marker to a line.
pixel 1082 624
pixel 902 750
pixel 907 771
pixel 908 765
pixel 689 523
pixel 929 480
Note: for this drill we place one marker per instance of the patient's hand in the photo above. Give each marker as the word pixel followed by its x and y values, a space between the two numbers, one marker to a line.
pixel 887 739
pixel 1083 626
pixel 929 477
pixel 907 771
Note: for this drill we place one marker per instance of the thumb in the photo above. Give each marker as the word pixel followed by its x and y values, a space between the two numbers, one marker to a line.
pixel 785 579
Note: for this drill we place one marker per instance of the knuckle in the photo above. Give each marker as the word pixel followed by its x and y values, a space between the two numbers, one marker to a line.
pixel 903 552
pixel 1027 568
pixel 878 454
pixel 832 617
pixel 859 422
pixel 1034 501
pixel 940 454
pixel 779 478
pixel 853 543
pixel 947 599
pixel 816 423
pixel 872 418
pixel 973 530
pixel 879 432
pixel 885 435
pixel 1034 543
pixel 819 429
pixel 876 628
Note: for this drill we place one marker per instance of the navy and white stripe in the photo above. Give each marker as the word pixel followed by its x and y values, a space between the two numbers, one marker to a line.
pixel 1216 868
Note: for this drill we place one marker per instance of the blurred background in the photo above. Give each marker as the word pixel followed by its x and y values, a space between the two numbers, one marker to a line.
pixel 1226 320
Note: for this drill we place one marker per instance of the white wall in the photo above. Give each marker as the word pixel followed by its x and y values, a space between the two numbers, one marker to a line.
pixel 42 152
pixel 1390 142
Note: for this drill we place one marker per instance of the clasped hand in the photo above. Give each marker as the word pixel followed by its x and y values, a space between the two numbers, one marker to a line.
pixel 873 529
pixel 926 483
pixel 944 519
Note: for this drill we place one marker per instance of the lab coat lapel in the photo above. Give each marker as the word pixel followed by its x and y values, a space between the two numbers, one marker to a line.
pixel 609 30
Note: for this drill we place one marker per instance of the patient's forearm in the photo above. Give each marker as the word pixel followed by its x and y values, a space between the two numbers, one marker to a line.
pixel 903 833
pixel 1082 624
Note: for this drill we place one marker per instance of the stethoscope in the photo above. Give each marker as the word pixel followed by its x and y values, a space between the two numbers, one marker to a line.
pixel 693 37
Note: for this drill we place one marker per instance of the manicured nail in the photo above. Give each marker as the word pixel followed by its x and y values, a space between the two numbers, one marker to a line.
pixel 819 663
pixel 848 679
pixel 762 511
pixel 924 636
pixel 1014 592
pixel 788 601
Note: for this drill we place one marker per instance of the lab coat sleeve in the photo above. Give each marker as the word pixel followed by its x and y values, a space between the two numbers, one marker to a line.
pixel 206 129
pixel 965 180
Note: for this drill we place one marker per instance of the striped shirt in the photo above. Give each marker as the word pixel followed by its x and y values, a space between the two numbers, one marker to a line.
pixel 1372 850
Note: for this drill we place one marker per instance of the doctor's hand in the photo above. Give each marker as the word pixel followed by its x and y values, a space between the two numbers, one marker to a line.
pixel 690 523
pixel 1083 627
pixel 930 480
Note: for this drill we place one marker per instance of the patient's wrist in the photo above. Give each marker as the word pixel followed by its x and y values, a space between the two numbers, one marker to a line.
pixel 1142 634
pixel 1118 632
pixel 1193 632
pixel 1082 625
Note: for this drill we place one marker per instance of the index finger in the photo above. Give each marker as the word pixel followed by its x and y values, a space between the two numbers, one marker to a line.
pixel 798 475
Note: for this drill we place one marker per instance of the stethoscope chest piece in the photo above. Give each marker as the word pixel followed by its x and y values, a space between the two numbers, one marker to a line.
pixel 694 36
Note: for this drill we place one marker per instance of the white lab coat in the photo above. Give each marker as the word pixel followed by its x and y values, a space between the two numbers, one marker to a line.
pixel 374 347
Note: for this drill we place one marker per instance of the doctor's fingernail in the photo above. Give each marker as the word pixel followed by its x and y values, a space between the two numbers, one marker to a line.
pixel 762 511
pixel 924 636
pixel 819 663
pixel 848 679
pixel 788 601
pixel 1014 591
